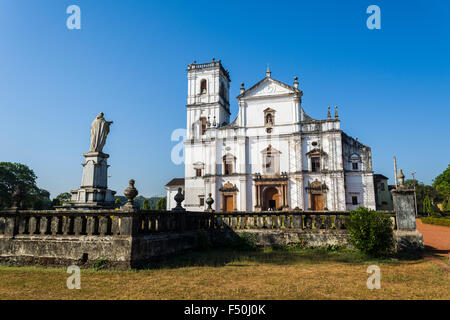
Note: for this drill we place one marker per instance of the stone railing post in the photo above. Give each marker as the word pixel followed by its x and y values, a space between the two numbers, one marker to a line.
pixel 10 224
pixel 129 221
pixel 127 225
pixel 404 208
pixel 209 201
pixel 131 193
pixel 179 198
pixel 407 236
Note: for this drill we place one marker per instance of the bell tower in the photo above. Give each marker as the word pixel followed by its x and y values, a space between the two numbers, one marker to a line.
pixel 208 97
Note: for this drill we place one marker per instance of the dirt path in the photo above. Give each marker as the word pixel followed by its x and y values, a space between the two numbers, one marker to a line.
pixel 436 238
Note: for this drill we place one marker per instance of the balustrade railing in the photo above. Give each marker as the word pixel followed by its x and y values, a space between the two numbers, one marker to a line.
pixel 119 223
pixel 67 223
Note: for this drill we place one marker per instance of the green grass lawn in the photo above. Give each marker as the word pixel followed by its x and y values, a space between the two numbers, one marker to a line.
pixel 229 274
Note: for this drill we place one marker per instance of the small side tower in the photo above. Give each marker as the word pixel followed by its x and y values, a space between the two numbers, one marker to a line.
pixel 208 97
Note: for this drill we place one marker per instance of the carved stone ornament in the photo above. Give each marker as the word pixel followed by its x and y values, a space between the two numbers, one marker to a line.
pixel 131 192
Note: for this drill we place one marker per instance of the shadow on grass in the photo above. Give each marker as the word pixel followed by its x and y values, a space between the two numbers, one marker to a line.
pixel 294 255
pixel 443 255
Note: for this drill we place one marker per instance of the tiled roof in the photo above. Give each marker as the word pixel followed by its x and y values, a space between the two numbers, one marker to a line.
pixel 176 182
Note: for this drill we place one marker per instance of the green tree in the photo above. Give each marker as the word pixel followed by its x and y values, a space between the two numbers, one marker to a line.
pixel 62 198
pixel 13 174
pixel 161 204
pixel 146 205
pixel 442 184
pixel 427 206
pixel 371 231
pixel 422 191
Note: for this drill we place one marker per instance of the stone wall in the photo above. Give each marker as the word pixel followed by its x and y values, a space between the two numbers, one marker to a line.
pixel 135 238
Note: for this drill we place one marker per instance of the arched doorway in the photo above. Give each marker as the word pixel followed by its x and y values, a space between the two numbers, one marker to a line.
pixel 271 198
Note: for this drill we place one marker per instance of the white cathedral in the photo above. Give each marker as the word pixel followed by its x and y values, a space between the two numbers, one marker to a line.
pixel 272 156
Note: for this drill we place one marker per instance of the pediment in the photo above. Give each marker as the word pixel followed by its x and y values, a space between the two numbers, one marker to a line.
pixel 198 165
pixel 268 87
pixel 270 149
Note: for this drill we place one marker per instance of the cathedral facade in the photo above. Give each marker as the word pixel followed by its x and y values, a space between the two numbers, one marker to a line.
pixel 272 156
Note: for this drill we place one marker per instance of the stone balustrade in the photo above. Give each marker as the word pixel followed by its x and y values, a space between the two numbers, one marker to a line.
pixel 66 223
pixel 120 223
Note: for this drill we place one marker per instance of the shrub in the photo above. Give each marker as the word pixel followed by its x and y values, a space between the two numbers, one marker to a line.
pixel 100 264
pixel 436 221
pixel 371 231
pixel 436 215
pixel 244 241
pixel 427 209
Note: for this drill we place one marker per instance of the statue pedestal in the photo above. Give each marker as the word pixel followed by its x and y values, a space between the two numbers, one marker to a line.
pixel 95 170
pixel 94 192
pixel 408 239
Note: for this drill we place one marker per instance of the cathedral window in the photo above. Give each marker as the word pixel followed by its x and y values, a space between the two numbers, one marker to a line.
pixel 315 163
pixel 198 172
pixel 355 160
pixel 354 200
pixel 203 85
pixel 228 164
pixel 202 201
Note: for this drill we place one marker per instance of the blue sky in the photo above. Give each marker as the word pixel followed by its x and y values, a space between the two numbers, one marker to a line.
pixel 392 86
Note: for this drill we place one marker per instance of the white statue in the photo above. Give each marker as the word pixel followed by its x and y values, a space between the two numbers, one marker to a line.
pixel 99 131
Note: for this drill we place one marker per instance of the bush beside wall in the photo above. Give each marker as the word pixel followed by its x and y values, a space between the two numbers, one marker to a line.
pixel 436 221
pixel 371 232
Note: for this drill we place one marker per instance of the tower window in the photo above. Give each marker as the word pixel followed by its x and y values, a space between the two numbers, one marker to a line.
pixel 198 172
pixel 315 164
pixel 355 165
pixel 203 85
pixel 382 187
pixel 354 200
pixel 222 91
pixel 202 201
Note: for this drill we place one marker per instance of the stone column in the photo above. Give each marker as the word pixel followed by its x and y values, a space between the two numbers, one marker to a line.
pixel 407 237
pixel 404 208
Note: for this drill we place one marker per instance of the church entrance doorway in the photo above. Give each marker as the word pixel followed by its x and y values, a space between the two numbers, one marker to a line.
pixel 228 203
pixel 317 195
pixel 317 202
pixel 271 199
pixel 229 196
pixel 271 192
